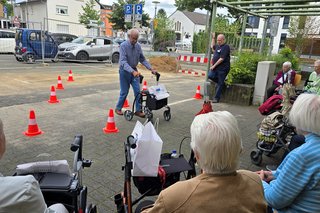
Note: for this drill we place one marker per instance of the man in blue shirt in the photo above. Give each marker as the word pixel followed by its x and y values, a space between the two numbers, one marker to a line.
pixel 130 55
pixel 220 64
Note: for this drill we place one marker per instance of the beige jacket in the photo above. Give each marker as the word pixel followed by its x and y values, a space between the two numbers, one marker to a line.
pixel 241 192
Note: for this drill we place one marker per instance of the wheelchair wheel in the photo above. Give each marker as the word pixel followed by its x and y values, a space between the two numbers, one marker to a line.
pixel 91 209
pixel 256 157
pixel 128 115
pixel 167 115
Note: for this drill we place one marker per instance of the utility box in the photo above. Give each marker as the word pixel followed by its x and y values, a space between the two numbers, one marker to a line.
pixel 264 79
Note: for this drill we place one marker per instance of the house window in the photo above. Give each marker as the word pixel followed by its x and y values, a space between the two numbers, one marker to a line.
pixel 62 28
pixel 286 21
pixel 178 26
pixel 283 40
pixel 62 10
pixel 253 22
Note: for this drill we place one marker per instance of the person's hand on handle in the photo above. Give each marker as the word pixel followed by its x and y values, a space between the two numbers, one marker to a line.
pixel 265 175
pixel 154 72
pixel 135 73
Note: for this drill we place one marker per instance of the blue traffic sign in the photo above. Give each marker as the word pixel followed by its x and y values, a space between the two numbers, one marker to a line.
pixel 138 9
pixel 128 9
pixel 5 10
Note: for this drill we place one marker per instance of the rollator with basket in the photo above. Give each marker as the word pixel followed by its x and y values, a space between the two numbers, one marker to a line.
pixel 57 184
pixel 275 130
pixel 155 98
pixel 168 170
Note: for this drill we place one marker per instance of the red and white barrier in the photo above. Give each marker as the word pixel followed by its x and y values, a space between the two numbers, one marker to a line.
pixel 195 73
pixel 195 59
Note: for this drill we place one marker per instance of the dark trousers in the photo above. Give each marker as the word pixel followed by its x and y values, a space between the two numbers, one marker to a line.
pixel 271 90
pixel 218 76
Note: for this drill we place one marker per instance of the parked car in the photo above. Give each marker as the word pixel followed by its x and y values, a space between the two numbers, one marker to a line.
pixel 143 41
pixel 29 45
pixel 60 38
pixel 85 48
pixel 119 40
pixel 7 42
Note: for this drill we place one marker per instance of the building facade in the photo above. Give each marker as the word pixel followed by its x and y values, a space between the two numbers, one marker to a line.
pixel 187 23
pixel 56 16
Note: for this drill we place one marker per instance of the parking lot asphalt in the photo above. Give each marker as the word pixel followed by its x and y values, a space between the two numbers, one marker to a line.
pixel 84 110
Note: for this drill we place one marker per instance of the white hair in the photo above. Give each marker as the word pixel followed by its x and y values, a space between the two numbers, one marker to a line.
pixel 305 113
pixel 133 31
pixel 317 62
pixel 287 63
pixel 215 137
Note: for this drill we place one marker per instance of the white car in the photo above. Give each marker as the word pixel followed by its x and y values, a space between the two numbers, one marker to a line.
pixel 90 48
pixel 7 41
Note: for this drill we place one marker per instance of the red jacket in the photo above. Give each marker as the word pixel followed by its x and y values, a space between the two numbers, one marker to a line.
pixel 280 73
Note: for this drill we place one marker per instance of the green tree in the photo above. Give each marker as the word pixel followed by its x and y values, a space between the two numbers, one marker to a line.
pixel 302 30
pixel 164 35
pixel 161 13
pixel 89 13
pixel 8 6
pixel 117 16
pixel 191 5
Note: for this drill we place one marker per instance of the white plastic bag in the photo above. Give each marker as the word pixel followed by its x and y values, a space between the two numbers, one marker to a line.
pixel 146 156
pixel 159 91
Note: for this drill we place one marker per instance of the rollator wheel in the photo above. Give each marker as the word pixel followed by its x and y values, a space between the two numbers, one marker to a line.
pixel 167 115
pixel 256 157
pixel 150 116
pixel 128 115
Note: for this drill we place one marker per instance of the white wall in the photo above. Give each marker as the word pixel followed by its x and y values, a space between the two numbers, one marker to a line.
pixel 68 23
pixel 187 26
pixel 277 38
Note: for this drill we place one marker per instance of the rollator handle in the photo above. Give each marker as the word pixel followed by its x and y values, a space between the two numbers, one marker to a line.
pixel 141 79
pixel 131 142
pixel 77 142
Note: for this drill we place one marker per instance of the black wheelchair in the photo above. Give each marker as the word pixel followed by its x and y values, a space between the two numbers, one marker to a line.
pixel 169 173
pixel 64 188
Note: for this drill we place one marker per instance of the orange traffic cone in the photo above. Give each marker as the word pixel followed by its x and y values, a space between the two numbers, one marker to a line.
pixel 144 88
pixel 198 95
pixel 110 125
pixel 59 85
pixel 33 128
pixel 126 104
pixel 70 78
pixel 53 97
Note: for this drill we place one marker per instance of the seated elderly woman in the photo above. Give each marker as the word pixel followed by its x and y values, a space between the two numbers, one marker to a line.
pixel 216 142
pixel 313 85
pixel 286 75
pixel 22 193
pixel 295 185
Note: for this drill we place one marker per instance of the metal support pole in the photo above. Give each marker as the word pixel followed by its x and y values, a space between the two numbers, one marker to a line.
pixel 211 30
pixel 244 24
pixel 263 38
pixel 133 15
pixel 271 45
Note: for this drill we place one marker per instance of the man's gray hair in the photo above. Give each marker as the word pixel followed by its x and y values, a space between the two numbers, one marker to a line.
pixel 287 63
pixel 305 113
pixel 216 140
pixel 133 31
pixel 317 62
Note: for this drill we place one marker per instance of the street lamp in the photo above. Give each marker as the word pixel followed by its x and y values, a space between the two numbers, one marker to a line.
pixel 155 8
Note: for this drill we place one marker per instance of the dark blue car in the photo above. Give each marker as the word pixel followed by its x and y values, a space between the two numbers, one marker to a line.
pixel 29 45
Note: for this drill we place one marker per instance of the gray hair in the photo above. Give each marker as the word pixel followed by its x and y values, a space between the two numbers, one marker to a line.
pixel 2 140
pixel 305 113
pixel 215 138
pixel 287 63
pixel 133 31
pixel 317 62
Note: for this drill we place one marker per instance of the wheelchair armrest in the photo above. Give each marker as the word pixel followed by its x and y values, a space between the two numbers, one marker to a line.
pixel 56 166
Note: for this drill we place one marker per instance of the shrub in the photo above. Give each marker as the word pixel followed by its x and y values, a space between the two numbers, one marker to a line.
pixel 284 55
pixel 243 69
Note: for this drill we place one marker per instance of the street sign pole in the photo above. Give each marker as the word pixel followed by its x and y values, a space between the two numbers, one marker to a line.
pixel 134 14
